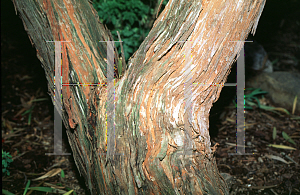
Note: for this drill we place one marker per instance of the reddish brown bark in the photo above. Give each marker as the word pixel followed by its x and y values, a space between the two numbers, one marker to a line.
pixel 149 99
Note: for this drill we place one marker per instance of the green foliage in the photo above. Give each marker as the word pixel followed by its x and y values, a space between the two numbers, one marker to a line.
pixel 62 174
pixel 41 189
pixel 29 111
pixel 6 192
pixel 129 17
pixel 6 160
pixel 274 133
pixel 26 188
pixel 253 96
pixel 250 97
pixel 251 100
pixel 288 138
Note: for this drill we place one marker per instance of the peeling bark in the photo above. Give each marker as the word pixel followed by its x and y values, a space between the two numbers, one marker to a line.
pixel 150 98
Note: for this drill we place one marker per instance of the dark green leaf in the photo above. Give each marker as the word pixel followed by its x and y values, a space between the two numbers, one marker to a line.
pixel 6 192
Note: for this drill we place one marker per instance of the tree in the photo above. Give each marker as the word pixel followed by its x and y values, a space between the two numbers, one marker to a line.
pixel 161 121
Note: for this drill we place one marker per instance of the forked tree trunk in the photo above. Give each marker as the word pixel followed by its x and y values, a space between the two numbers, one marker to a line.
pixel 158 110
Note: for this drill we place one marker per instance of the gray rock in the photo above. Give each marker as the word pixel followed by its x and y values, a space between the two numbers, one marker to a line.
pixel 257 58
pixel 281 86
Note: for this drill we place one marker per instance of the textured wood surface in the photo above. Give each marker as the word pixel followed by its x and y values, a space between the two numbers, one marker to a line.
pixel 149 99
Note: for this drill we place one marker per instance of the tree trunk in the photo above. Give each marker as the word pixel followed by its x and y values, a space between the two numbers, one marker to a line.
pixel 159 114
